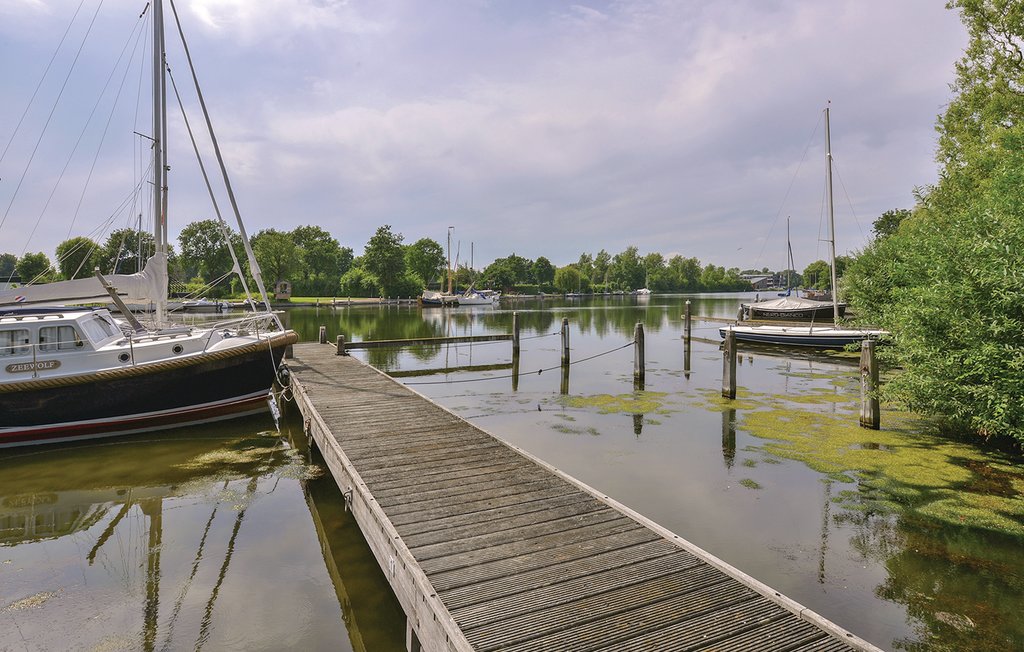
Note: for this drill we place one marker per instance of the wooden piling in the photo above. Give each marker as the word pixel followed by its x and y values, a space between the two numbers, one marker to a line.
pixel 515 334
pixel 870 412
pixel 638 352
pixel 323 335
pixel 729 365
pixel 565 340
pixel 341 345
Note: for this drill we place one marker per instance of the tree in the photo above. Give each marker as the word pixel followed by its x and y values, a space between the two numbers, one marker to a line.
pixel 585 265
pixel 319 261
pixel 627 270
pixel 567 279
pixel 947 283
pixel 77 257
pixel 602 261
pixel 276 253
pixel 684 273
pixel 425 258
pixel 357 282
pixel 543 271
pixel 121 253
pixel 818 275
pixel 34 268
pixel 204 251
pixel 889 221
pixel 385 259
pixel 7 264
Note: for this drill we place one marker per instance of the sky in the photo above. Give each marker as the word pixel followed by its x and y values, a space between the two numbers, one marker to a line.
pixel 541 128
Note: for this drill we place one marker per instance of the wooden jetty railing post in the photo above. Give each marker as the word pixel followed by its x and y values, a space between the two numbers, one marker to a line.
pixel 341 345
pixel 687 331
pixel 565 340
pixel 515 334
pixel 729 365
pixel 323 335
pixel 638 354
pixel 870 413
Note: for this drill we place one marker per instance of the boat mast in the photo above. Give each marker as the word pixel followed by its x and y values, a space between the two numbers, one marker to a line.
pixel 450 228
pixel 789 259
pixel 831 219
pixel 159 152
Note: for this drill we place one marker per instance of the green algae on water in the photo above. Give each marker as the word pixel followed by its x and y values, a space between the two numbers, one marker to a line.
pixel 639 402
pixel 750 484
pixel 900 466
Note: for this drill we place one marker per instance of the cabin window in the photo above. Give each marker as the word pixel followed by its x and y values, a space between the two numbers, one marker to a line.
pixel 58 338
pixel 99 329
pixel 14 341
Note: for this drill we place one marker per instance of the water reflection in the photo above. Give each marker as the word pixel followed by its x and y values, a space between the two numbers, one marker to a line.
pixel 186 540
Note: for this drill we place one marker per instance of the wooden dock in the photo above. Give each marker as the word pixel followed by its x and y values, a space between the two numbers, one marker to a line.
pixel 488 548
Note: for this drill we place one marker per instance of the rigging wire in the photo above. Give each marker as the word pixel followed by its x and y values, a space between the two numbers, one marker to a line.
pixel 46 72
pixel 49 117
pixel 106 128
pixel 789 189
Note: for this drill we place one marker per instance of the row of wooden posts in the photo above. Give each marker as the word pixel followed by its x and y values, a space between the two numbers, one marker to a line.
pixel 869 410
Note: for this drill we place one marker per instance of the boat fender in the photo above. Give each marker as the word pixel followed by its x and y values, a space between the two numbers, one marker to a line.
pixel 284 376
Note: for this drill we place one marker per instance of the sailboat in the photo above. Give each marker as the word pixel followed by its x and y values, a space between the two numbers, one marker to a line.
pixel 788 307
pixel 70 372
pixel 811 336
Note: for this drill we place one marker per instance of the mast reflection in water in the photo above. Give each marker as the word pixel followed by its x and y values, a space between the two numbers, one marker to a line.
pixel 190 539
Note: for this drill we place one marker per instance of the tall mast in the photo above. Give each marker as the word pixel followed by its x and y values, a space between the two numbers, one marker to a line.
pixel 450 259
pixel 159 149
pixel 831 218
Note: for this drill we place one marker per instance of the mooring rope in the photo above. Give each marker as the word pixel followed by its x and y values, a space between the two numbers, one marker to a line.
pixel 539 371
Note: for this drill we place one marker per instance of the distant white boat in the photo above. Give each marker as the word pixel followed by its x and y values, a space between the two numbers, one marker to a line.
pixel 473 297
pixel 643 292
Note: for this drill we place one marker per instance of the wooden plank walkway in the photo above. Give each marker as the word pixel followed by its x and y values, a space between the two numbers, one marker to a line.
pixel 488 548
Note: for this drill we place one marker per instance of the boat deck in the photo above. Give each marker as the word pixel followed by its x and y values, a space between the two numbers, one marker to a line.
pixel 488 548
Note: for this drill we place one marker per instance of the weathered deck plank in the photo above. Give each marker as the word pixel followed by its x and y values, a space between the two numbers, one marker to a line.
pixel 488 548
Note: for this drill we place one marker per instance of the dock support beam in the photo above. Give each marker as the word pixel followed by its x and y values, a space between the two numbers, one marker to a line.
pixel 729 365
pixel 870 413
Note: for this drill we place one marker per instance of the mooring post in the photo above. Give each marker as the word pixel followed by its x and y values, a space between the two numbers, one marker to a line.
pixel 515 373
pixel 870 413
pixel 687 330
pixel 515 334
pixel 564 387
pixel 565 340
pixel 638 352
pixel 729 365
pixel 323 335
pixel 341 345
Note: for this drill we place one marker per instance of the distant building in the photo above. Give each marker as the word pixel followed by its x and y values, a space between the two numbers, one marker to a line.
pixel 760 281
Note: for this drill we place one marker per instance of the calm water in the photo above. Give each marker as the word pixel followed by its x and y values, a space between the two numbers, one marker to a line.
pixel 226 538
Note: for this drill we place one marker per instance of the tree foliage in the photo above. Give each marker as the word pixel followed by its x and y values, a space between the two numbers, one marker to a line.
pixel 277 255
pixel 34 268
pixel 426 259
pixel 384 257
pixel 948 281
pixel 77 257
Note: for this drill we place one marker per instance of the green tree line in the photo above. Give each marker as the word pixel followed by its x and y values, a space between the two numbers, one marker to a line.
pixel 946 277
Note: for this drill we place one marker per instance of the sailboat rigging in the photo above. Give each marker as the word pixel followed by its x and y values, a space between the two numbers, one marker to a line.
pixel 799 308
pixel 70 372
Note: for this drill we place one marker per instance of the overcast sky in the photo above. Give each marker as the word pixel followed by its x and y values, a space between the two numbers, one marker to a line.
pixel 540 128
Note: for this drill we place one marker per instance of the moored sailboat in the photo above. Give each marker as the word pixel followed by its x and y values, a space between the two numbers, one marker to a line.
pixel 71 372
pixel 830 336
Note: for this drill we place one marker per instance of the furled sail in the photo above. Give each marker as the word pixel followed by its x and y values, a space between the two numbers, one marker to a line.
pixel 147 286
